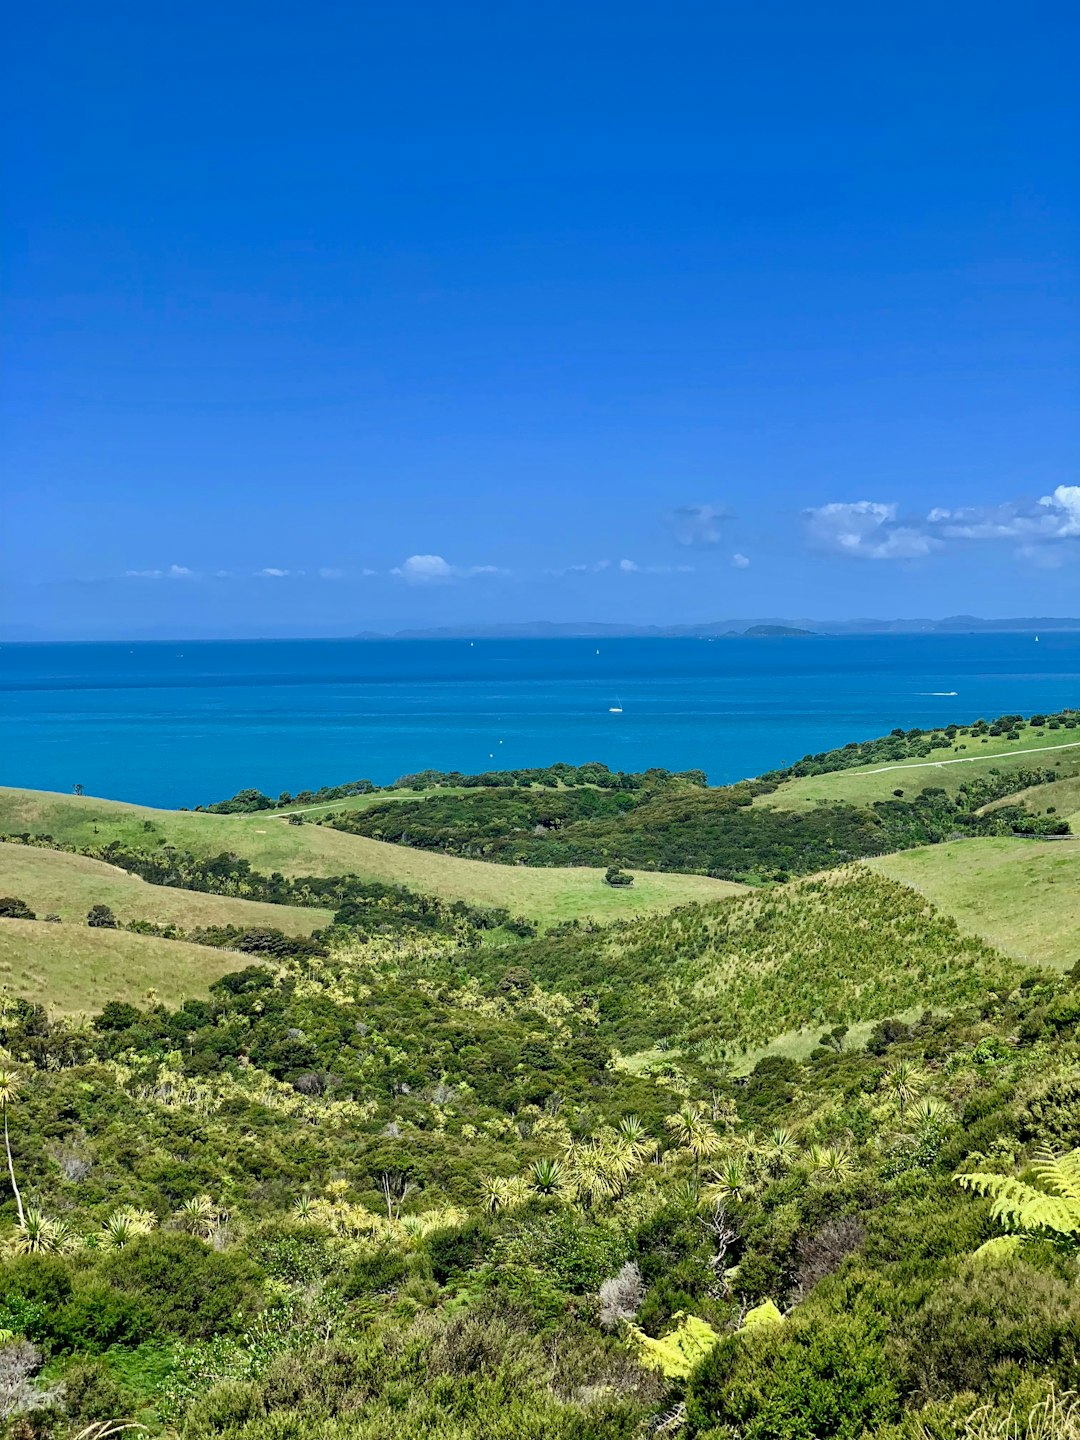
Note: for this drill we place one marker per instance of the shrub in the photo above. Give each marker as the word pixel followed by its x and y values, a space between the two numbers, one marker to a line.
pixel 12 908
pixel 194 1291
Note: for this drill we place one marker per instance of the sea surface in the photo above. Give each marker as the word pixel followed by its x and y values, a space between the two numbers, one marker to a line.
pixel 184 723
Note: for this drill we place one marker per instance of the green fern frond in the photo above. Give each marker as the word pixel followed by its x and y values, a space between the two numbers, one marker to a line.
pixel 1024 1207
pixel 1060 1173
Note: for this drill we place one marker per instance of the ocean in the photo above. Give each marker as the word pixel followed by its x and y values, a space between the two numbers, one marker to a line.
pixel 185 723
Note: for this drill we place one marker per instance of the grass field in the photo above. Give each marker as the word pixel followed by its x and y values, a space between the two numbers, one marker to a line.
pixel 52 881
pixel 1022 896
pixel 74 970
pixel 1057 749
pixel 270 843
pixel 365 802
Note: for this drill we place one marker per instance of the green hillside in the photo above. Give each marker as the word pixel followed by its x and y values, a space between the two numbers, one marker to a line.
pixel 269 842
pixel 74 970
pixel 949 768
pixel 1019 895
pixel 54 881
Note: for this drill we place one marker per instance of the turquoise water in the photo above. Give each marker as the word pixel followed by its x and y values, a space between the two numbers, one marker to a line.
pixel 185 723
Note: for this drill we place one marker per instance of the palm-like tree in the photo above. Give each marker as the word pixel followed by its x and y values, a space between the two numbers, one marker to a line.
pixel 9 1088
pixel 199 1216
pixel 780 1150
pixel 904 1085
pixel 830 1164
pixel 633 1134
pixel 730 1182
pixel 693 1131
pixel 546 1176
pixel 36 1235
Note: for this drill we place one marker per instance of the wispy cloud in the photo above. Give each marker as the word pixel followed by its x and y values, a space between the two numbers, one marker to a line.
pixel 697 524
pixel 740 562
pixel 271 572
pixel 173 572
pixel 631 567
pixel 434 570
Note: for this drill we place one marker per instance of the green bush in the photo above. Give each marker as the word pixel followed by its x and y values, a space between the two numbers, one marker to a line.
pixel 194 1291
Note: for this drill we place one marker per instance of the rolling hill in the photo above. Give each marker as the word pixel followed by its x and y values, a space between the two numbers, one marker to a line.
pixel 269 842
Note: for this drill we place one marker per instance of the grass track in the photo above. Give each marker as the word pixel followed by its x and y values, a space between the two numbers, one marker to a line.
pixel 74 970
pixel 271 843
pixel 949 769
pixel 1021 896
pixel 52 881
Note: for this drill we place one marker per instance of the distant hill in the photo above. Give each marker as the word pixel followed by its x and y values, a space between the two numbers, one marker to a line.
pixel 768 632
pixel 762 626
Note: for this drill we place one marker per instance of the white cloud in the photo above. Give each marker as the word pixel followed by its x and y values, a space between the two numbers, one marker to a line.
pixel 174 572
pixel 434 570
pixel 697 524
pixel 866 530
pixel 628 567
pixel 740 562
pixel 872 530
pixel 328 572
pixel 271 572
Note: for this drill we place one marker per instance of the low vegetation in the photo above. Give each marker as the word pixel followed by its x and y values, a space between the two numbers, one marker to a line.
pixel 797 1163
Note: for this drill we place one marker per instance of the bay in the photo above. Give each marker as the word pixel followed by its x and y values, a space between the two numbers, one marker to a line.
pixel 184 723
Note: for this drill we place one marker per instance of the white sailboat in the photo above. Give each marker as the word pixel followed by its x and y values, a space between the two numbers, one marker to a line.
pixel 615 709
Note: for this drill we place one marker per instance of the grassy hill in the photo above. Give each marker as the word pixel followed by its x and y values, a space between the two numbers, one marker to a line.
pixel 54 881
pixel 1021 896
pixel 862 785
pixel 270 843
pixel 74 970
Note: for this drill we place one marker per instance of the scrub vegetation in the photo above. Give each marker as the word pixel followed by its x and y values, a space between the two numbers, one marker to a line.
pixel 368 1162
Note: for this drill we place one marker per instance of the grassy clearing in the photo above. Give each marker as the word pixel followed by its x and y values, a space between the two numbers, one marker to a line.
pixel 1019 895
pixel 947 769
pixel 74 970
pixel 270 843
pixel 365 802
pixel 52 881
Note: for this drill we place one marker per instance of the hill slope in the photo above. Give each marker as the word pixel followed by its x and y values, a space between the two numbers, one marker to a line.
pixel 54 881
pixel 74 970
pixel 270 843
pixel 1022 896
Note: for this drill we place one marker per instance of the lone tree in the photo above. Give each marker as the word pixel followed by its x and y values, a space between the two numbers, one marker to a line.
pixel 100 917
pixel 78 789
pixel 617 877
pixel 9 1088
pixel 12 908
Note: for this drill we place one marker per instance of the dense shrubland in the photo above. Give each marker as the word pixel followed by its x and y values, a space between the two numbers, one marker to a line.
pixel 684 827
pixel 349 1198
pixel 560 776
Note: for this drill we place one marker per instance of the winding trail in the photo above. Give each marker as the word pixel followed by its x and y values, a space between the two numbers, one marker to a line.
pixel 971 759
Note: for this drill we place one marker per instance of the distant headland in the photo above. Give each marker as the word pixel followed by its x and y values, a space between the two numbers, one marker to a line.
pixel 753 629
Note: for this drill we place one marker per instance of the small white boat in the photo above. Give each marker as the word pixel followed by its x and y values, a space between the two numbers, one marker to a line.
pixel 614 710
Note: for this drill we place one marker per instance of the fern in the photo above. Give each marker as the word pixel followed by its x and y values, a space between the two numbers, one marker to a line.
pixel 1052 1209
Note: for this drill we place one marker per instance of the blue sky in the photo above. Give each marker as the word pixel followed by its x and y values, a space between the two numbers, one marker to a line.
pixel 337 317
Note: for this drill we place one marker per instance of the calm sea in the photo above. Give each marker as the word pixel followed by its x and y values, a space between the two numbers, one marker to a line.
pixel 185 723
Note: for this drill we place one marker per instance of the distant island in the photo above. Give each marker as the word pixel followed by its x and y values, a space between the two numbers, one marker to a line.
pixel 764 627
